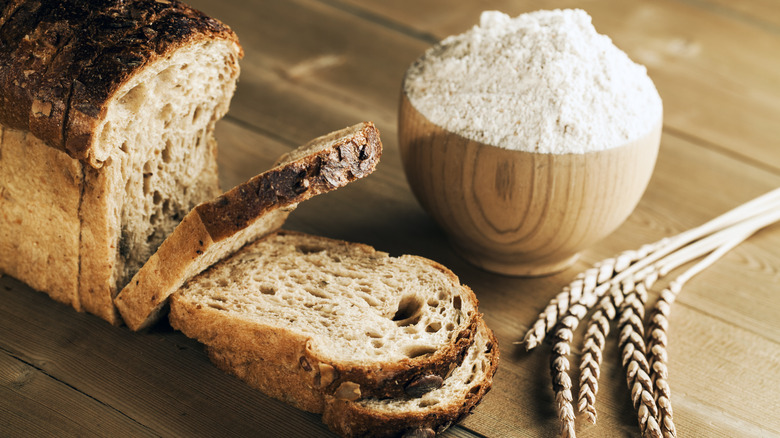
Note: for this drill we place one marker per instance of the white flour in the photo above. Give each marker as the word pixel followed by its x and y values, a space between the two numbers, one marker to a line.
pixel 542 82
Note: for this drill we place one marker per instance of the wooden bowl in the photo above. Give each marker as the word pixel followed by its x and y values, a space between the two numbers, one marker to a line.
pixel 521 213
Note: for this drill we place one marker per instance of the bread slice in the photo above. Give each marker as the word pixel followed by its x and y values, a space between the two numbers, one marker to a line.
pixel 215 229
pixel 304 318
pixel 425 415
pixel 125 95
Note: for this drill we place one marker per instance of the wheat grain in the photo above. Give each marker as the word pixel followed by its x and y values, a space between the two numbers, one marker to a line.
pixel 594 342
pixel 632 347
pixel 559 368
pixel 587 288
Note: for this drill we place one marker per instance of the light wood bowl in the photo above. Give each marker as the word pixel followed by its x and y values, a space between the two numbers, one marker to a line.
pixel 521 213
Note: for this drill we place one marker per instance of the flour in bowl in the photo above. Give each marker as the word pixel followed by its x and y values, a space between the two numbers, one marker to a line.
pixel 544 82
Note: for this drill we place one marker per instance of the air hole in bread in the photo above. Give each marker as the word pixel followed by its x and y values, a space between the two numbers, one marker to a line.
pixel 196 114
pixel 371 301
pixel 457 303
pixel 433 302
pixel 424 403
pixel 373 334
pixel 413 351
pixel 409 311
pixel 317 292
pixel 216 306
pixel 449 327
pixel 134 99
pixel 166 113
pixel 473 374
pixel 306 249
pixel 156 198
pixel 166 152
pixel 433 327
pixel 124 148
pixel 147 183
pixel 267 290
pixel 377 343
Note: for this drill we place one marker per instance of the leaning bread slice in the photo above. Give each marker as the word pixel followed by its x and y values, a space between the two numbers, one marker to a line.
pixel 215 229
pixel 303 317
pixel 421 415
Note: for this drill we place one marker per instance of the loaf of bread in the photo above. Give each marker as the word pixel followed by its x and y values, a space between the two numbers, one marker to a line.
pixel 107 112
pixel 311 321
pixel 218 228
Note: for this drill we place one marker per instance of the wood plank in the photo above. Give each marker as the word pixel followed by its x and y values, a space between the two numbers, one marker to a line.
pixel 760 13
pixel 162 381
pixel 39 405
pixel 713 87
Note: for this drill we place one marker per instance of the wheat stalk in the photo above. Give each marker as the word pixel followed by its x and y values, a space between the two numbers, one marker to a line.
pixel 592 284
pixel 659 321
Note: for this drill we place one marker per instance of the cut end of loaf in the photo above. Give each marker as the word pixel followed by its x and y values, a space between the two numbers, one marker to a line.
pixel 356 305
pixel 159 136
pixel 216 229
pixel 130 91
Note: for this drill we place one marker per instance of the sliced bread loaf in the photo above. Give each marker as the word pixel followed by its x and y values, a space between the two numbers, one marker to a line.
pixel 422 415
pixel 305 318
pixel 216 229
pixel 114 103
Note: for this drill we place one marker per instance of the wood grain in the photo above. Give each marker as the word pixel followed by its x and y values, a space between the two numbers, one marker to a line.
pixel 516 212
pixel 312 67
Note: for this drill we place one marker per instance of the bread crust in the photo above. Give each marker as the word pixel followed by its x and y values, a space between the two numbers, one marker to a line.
pixel 81 52
pixel 265 198
pixel 350 419
pixel 254 351
pixel 40 189
pixel 353 157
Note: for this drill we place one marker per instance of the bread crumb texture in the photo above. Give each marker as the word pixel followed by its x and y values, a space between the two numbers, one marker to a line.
pixel 357 305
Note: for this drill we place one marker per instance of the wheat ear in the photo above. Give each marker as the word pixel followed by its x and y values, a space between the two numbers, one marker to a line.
pixel 632 347
pixel 559 368
pixel 630 262
pixel 586 289
pixel 592 356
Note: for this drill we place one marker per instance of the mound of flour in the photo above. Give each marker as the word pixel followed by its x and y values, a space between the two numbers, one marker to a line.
pixel 545 82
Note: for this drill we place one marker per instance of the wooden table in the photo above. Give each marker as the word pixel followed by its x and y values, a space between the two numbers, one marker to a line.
pixel 315 66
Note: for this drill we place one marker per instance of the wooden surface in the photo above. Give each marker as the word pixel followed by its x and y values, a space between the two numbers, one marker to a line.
pixel 315 66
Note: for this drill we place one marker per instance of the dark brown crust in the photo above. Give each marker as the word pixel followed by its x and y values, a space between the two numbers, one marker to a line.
pixel 56 82
pixel 349 419
pixel 292 183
